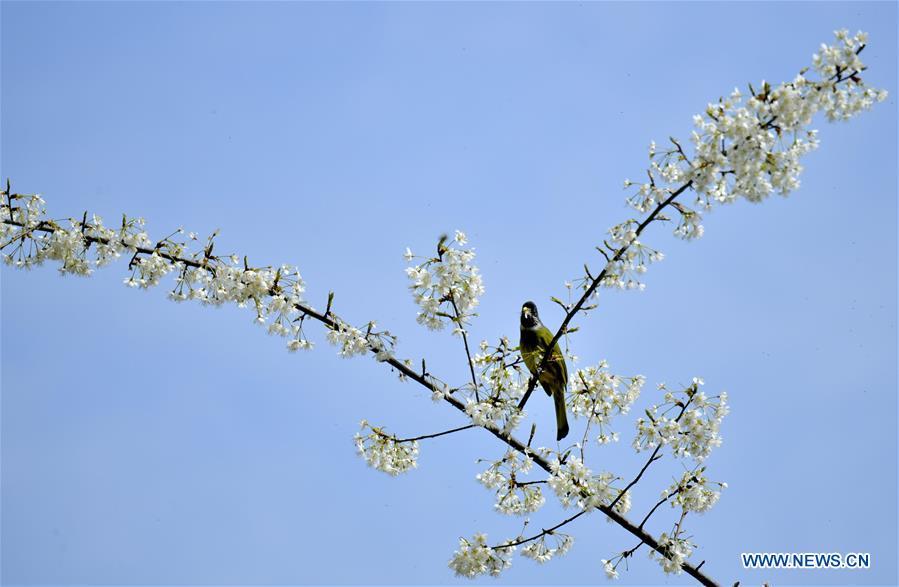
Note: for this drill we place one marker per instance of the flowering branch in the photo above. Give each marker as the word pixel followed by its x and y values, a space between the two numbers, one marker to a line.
pixel 655 453
pixel 545 532
pixel 739 151
pixel 736 156
pixel 386 456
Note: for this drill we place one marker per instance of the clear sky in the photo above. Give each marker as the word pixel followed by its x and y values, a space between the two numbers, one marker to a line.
pixel 154 443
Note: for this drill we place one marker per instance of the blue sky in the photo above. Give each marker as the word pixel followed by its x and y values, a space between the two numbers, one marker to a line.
pixel 154 443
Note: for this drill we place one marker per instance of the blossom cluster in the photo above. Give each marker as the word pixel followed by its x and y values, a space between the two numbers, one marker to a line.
pixel 69 248
pixel 609 568
pixel 512 495
pixel 629 257
pixel 741 148
pixel 447 287
pixel 688 421
pixel 504 383
pixel 475 557
pixel 275 294
pixel 840 62
pixel 28 238
pixel 539 551
pixel 752 148
pixel 598 395
pixel 385 452
pixel 575 484
pixel 348 339
pixel 501 369
pixel 693 492
pixel 494 412
pixel 677 551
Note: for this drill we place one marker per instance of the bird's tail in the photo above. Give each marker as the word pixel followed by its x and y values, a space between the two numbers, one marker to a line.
pixel 561 415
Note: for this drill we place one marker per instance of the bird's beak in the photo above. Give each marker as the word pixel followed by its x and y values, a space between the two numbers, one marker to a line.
pixel 526 312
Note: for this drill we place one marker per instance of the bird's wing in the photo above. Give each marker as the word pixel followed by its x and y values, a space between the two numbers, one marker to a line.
pixel 561 358
pixel 530 349
pixel 555 375
pixel 544 337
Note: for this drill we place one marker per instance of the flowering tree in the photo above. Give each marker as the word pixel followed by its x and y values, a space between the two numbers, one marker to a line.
pixel 742 147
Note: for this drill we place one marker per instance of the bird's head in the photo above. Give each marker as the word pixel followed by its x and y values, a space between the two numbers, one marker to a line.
pixel 529 317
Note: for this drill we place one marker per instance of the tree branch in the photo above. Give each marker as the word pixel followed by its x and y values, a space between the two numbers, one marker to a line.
pixel 652 458
pixel 435 435
pixel 656 506
pixel 474 379
pixel 543 533
pixel 332 321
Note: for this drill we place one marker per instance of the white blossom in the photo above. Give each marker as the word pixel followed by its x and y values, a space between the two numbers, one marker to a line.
pixel 299 344
pixel 745 147
pixel 539 551
pixel 575 484
pixel 447 287
pixel 609 569
pixel 629 257
pixel 273 293
pixel 677 551
pixel 688 421
pixel 348 339
pixel 151 268
pixel 598 395
pixel 513 496
pixel 439 392
pixel 503 385
pixel 498 413
pixel 69 248
pixel 693 492
pixel 383 452
pixel 475 557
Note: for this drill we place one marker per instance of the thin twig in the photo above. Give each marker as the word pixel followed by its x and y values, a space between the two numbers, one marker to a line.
pixel 543 533
pixel 656 506
pixel 435 435
pixel 652 458
pixel 474 379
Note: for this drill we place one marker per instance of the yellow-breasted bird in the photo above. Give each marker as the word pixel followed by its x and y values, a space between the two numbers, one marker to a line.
pixel 535 339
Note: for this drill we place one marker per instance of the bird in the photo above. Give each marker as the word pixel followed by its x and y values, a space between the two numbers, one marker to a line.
pixel 535 339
